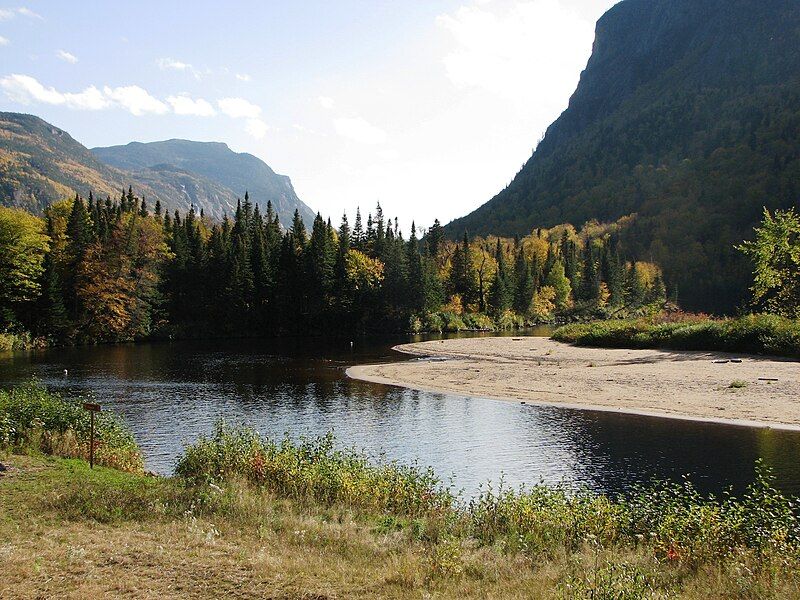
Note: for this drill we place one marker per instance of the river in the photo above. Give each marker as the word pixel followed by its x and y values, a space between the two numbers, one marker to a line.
pixel 170 393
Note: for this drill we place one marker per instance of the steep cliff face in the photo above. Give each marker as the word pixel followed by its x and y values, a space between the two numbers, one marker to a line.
pixel 688 115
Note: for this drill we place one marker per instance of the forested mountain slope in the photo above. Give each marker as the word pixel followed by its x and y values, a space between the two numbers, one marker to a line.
pixel 216 162
pixel 688 115
pixel 41 164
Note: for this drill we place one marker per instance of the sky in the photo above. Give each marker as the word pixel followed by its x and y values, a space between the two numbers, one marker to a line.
pixel 428 107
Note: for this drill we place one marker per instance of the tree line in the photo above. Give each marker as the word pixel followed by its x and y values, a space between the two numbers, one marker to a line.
pixel 110 270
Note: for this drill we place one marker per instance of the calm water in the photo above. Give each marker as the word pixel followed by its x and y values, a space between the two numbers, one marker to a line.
pixel 169 393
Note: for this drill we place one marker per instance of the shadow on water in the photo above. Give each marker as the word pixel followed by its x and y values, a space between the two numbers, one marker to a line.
pixel 169 393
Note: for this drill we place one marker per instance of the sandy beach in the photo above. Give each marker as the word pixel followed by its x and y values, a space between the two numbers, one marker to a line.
pixel 682 385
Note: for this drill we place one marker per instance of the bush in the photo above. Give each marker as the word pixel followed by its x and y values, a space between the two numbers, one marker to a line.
pixel 313 469
pixel 478 321
pixel 754 334
pixel 14 341
pixel 35 420
pixel 452 323
pixel 672 522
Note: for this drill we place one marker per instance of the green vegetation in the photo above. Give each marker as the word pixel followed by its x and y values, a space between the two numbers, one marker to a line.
pixel 108 271
pixel 273 518
pixel 35 420
pixel 776 258
pixel 752 334
pixel 692 129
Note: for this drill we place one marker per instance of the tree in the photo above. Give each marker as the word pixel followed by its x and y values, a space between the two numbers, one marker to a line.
pixel 416 279
pixel 462 273
pixel 775 254
pixel 557 280
pixel 80 235
pixel 500 292
pixel 525 288
pixel 23 245
pixel 434 239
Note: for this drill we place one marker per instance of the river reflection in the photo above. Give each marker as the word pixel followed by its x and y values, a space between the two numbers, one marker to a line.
pixel 169 393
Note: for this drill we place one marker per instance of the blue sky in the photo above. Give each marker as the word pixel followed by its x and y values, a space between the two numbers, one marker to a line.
pixel 428 107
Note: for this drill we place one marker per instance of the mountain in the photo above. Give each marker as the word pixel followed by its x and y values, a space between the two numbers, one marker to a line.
pixel 40 164
pixel 688 116
pixel 213 161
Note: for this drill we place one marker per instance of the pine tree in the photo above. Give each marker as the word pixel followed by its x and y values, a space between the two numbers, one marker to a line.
pixel 434 239
pixel 525 285
pixel 358 232
pixel 416 278
pixel 500 294
pixel 590 277
pixel 53 318
pixel 80 236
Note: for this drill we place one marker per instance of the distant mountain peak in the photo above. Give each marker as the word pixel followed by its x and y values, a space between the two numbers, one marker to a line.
pixel 42 163
pixel 236 171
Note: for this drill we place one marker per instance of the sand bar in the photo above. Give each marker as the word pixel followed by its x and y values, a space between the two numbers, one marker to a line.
pixel 682 385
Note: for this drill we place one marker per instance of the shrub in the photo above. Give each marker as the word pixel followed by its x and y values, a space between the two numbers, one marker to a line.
pixel 313 469
pixel 35 420
pixel 754 334
pixel 478 321
pixel 451 322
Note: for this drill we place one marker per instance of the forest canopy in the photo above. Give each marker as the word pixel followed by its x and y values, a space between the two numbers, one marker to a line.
pixel 111 270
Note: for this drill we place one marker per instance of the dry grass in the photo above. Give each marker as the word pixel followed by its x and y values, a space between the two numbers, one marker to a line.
pixel 68 532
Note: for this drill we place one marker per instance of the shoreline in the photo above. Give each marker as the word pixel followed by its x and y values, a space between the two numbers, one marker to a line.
pixel 680 385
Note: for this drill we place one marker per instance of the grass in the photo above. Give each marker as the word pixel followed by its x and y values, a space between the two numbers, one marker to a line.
pixel 752 334
pixel 252 517
pixel 35 420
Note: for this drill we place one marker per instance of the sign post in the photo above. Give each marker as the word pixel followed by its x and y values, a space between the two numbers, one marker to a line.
pixel 92 407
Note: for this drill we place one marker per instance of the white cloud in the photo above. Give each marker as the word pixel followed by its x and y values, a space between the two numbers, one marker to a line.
pixel 4 41
pixel 359 130
pixel 239 108
pixel 531 51
pixel 27 12
pixel 257 128
pixel 9 13
pixel 67 57
pixel 170 64
pixel 27 90
pixel 325 102
pixel 243 77
pixel 136 100
pixel 184 105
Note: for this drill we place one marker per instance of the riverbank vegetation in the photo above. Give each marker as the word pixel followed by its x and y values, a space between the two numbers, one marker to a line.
pixel 751 334
pixel 115 270
pixel 775 254
pixel 35 420
pixel 309 519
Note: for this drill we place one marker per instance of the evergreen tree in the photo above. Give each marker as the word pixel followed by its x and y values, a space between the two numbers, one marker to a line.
pixel 525 288
pixel 80 236
pixel 500 293
pixel 434 239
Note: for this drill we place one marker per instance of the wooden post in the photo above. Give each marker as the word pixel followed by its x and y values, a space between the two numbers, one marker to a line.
pixel 92 407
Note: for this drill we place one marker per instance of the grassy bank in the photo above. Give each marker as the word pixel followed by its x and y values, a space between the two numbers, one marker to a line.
pixel 34 420
pixel 752 334
pixel 253 517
